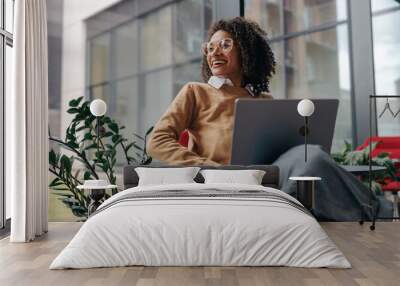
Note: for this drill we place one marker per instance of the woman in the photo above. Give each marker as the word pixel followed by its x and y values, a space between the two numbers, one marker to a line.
pixel 238 63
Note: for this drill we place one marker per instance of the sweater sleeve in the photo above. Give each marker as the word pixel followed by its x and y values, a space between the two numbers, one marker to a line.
pixel 163 144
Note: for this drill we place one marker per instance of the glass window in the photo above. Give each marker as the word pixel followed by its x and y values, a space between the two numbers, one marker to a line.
pixel 310 64
pixel 1 16
pixel 287 16
pixel 306 14
pixel 3 195
pixel 186 73
pixel 386 37
pixel 8 90
pixel 102 92
pixel 6 60
pixel 139 55
pixel 317 66
pixel 277 83
pixel 379 5
pixel 100 59
pixel 127 105
pixel 9 11
pixel 126 50
pixel 267 13
pixel 188 32
pixel 156 39
pixel 388 125
pixel 126 111
pixel 386 52
pixel 208 15
pixel 157 97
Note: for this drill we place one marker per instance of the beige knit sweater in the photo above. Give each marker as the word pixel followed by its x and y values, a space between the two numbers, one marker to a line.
pixel 207 113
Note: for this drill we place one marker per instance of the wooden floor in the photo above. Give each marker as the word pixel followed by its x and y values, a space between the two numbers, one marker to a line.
pixel 375 257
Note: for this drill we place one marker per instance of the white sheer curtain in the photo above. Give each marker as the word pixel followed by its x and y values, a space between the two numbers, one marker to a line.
pixel 26 123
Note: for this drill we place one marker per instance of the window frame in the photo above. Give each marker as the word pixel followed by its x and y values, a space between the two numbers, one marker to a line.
pixel 373 15
pixel 359 34
pixel 283 39
pixel 361 56
pixel 141 72
pixel 6 39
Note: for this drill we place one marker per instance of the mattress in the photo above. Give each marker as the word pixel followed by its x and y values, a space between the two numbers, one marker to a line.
pixel 201 225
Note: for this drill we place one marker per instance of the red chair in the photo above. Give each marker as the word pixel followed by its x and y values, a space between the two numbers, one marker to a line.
pixel 390 145
pixel 184 138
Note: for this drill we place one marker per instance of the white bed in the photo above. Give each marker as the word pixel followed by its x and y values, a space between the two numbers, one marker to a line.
pixel 202 231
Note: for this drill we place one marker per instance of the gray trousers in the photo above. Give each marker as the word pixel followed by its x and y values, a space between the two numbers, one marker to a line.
pixel 339 195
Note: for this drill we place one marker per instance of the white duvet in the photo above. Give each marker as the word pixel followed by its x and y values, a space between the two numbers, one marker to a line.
pixel 200 231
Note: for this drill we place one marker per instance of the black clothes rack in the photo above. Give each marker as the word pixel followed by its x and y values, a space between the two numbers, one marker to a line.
pixel 372 104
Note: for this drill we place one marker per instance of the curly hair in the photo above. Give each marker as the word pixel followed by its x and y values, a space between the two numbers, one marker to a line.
pixel 257 58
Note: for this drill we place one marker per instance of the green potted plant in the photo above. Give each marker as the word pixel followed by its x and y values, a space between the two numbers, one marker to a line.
pixel 95 159
pixel 348 156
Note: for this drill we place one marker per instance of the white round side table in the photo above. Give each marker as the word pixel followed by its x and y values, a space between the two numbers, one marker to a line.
pixel 96 193
pixel 305 192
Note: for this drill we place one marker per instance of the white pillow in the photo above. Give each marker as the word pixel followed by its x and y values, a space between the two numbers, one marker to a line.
pixel 248 177
pixel 163 176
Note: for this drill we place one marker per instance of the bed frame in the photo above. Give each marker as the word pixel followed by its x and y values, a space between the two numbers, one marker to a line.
pixel 271 177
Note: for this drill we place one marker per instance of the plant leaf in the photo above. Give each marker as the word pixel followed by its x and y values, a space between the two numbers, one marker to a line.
pixel 137 147
pixel 115 138
pixel 106 119
pixel 147 161
pixel 149 130
pixel 138 136
pixel 81 128
pixel 75 102
pixel 60 189
pixel 113 126
pixel 129 146
pixel 355 158
pixel 88 136
pixel 87 175
pixel 73 110
pixel 66 164
pixel 55 182
pixel 91 146
pixel 107 134
pixel 383 155
pixel 52 158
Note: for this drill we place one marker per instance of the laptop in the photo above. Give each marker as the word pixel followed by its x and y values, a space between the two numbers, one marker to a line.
pixel 264 129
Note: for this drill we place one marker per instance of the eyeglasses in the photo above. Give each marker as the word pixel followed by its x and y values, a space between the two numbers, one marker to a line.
pixel 225 45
